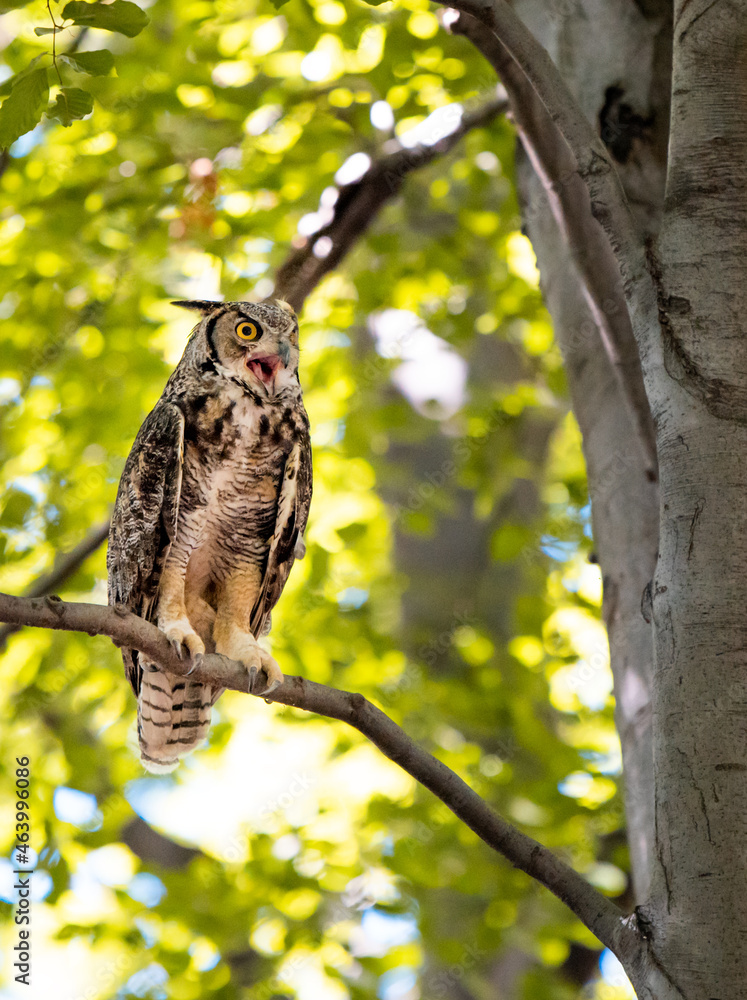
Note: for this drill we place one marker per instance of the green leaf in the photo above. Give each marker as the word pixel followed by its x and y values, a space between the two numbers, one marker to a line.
pixel 22 111
pixel 17 506
pixel 70 105
pixel 97 63
pixel 6 5
pixel 277 4
pixel 7 85
pixel 122 16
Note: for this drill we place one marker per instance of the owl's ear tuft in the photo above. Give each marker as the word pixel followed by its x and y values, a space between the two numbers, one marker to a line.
pixel 198 305
pixel 286 307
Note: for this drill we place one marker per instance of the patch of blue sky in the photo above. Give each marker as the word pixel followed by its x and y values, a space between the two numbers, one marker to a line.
pixel 248 269
pixel 10 391
pixel 23 146
pixel 34 485
pixel 399 983
pixel 208 958
pixel 145 795
pixel 352 597
pixel 605 763
pixel 146 888
pixel 387 846
pixel 29 858
pixel 330 338
pixel 77 808
pixel 585 514
pixel 612 971
pixel 149 930
pixel 50 856
pixel 258 245
pixel 576 785
pixel 557 549
pixel 147 982
pixel 389 929
pixel 40 882
pixel 329 432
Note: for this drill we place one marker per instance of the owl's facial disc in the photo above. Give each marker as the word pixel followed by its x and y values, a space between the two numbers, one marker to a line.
pixel 255 344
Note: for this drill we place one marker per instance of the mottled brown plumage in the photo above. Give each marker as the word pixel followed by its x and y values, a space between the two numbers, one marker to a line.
pixel 210 513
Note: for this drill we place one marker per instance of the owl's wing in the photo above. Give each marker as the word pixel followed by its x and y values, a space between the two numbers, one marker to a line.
pixel 292 513
pixel 145 516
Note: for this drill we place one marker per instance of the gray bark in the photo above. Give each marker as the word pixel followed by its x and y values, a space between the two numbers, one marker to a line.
pixel 624 91
pixel 586 300
pixel 625 522
pixel 699 598
pixel 692 867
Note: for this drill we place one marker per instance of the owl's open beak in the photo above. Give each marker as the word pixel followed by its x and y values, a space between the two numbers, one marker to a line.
pixel 264 368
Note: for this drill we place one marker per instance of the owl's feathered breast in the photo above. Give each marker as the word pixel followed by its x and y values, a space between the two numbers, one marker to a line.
pixel 236 449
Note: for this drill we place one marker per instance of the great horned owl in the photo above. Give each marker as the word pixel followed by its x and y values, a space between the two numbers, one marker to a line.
pixel 211 511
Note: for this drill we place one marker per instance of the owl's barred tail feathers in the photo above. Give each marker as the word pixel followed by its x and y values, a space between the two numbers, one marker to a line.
pixel 173 718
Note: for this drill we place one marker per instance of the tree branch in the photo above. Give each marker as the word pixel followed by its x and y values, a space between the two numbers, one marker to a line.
pixel 608 202
pixel 598 913
pixel 64 568
pixel 358 203
pixel 568 198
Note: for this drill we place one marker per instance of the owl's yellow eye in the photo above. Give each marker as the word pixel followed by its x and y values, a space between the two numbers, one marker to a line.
pixel 248 330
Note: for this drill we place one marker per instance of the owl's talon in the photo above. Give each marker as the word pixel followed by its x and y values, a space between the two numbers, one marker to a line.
pixel 185 642
pixel 196 659
pixel 242 646
pixel 272 686
pixel 261 683
pixel 272 671
pixel 252 678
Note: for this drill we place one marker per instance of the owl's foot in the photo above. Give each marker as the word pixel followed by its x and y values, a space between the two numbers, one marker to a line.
pixel 183 638
pixel 271 670
pixel 242 646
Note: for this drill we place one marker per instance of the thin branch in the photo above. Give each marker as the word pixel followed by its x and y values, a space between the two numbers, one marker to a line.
pixel 62 570
pixel 598 913
pixel 608 202
pixel 568 197
pixel 55 28
pixel 358 203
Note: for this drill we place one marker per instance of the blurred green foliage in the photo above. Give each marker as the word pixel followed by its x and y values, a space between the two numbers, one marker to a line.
pixel 447 576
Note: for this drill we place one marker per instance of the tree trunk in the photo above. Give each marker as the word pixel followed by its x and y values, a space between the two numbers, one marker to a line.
pixel 616 61
pixel 687 820
pixel 699 595
pixel 625 523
